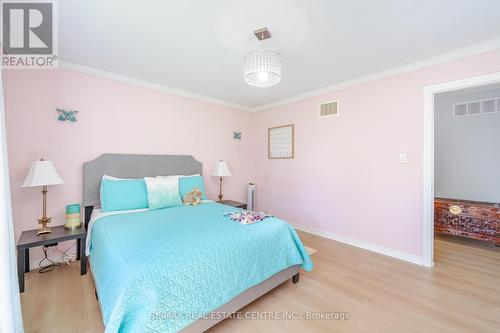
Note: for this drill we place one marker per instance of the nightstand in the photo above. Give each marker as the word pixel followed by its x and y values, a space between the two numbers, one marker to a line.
pixel 30 239
pixel 233 203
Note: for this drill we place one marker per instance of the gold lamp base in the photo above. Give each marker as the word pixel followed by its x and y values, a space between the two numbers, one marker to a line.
pixel 220 189
pixel 44 229
pixel 44 220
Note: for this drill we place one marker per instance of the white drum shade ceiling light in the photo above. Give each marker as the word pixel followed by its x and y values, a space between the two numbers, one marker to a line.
pixel 262 68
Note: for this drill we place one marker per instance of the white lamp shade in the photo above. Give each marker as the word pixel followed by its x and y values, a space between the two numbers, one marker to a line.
pixel 42 173
pixel 221 169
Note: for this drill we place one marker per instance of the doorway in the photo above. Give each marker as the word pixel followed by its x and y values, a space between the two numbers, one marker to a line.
pixel 430 94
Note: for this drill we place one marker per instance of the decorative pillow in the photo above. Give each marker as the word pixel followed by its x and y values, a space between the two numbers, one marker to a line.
pixel 163 192
pixel 189 183
pixel 192 198
pixel 123 194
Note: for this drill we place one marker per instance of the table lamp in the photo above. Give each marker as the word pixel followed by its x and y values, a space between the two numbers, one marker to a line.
pixel 43 173
pixel 221 170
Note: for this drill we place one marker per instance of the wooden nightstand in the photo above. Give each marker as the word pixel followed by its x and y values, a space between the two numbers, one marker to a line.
pixel 233 203
pixel 30 239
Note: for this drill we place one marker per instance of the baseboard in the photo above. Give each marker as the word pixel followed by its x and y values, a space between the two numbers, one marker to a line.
pixel 362 244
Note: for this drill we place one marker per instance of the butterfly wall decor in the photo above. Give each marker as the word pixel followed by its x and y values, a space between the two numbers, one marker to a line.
pixel 236 135
pixel 64 115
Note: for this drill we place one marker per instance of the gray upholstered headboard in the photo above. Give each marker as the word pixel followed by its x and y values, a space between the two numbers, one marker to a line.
pixel 131 166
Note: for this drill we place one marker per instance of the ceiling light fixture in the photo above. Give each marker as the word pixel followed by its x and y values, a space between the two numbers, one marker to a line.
pixel 262 68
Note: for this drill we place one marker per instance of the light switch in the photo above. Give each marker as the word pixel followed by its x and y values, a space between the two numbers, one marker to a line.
pixel 403 157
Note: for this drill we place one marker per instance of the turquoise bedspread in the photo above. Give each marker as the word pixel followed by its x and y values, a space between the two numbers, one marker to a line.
pixel 158 271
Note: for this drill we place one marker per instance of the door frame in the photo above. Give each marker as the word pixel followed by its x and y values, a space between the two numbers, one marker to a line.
pixel 428 154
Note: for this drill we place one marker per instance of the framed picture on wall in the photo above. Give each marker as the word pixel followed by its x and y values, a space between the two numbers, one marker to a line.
pixel 280 142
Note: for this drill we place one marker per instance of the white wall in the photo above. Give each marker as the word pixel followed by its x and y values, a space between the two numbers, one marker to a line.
pixel 467 149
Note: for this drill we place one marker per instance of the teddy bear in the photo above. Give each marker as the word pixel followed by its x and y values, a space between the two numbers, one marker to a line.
pixel 193 198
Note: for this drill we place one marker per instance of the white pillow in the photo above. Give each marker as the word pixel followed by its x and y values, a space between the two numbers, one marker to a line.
pixel 111 177
pixel 163 192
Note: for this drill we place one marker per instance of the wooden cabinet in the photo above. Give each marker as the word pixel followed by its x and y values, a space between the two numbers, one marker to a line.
pixel 473 219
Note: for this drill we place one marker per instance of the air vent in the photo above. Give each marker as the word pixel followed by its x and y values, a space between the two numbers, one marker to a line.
pixel 329 109
pixel 473 108
pixel 488 106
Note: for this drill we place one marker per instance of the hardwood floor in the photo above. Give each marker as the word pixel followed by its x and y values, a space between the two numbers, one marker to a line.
pixel 460 294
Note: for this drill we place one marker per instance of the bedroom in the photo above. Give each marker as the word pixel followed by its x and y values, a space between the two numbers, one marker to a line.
pixel 335 129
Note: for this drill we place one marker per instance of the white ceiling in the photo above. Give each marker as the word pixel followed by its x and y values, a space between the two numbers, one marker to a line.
pixel 198 46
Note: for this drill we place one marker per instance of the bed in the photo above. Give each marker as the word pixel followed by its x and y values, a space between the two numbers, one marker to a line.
pixel 182 268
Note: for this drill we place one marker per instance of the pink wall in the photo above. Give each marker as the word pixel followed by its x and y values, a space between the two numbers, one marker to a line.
pixel 346 177
pixel 113 118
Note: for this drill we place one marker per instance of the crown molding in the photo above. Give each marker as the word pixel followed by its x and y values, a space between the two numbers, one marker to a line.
pixel 149 85
pixel 490 45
